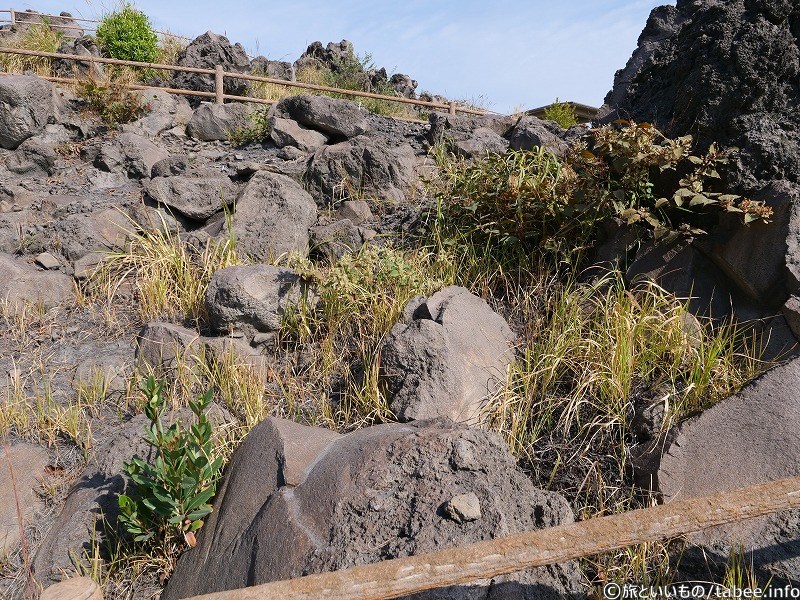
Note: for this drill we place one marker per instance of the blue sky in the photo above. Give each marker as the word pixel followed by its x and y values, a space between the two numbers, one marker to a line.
pixel 508 53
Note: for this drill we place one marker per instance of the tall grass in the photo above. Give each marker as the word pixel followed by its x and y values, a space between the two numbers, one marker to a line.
pixel 40 38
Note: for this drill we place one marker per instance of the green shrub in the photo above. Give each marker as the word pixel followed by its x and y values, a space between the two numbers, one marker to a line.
pixel 127 35
pixel 562 113
pixel 171 497
pixel 256 130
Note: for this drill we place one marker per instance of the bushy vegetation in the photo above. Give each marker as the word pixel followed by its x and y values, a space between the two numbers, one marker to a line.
pixel 562 113
pixel 524 202
pixel 127 34
pixel 108 96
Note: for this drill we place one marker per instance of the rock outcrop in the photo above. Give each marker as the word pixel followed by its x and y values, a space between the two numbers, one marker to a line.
pixel 299 500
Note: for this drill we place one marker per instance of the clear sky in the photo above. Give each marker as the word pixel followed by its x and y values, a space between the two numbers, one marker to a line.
pixel 508 53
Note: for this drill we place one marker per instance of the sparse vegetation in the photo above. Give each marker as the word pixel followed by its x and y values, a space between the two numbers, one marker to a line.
pixel 108 97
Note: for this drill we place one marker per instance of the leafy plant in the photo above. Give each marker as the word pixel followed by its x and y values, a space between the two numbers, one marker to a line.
pixel 562 113
pixel 171 496
pixel 127 34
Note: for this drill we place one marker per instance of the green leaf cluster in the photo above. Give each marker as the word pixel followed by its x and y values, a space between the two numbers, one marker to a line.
pixel 170 497
pixel 127 34
pixel 562 113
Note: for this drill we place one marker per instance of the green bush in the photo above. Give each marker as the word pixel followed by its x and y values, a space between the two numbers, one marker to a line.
pixel 110 98
pixel 562 113
pixel 171 497
pixel 127 35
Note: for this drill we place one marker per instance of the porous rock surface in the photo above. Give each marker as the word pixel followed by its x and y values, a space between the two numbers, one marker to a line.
pixel 299 500
pixel 726 72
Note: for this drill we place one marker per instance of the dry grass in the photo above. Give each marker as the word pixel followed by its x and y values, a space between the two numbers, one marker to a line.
pixel 40 38
pixel 169 277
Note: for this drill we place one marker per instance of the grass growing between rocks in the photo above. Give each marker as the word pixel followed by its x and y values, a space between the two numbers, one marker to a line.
pixel 38 38
pixel 168 277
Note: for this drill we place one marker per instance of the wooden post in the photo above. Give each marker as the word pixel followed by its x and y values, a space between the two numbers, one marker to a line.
pixel 78 588
pixel 13 17
pixel 483 560
pixel 452 108
pixel 219 84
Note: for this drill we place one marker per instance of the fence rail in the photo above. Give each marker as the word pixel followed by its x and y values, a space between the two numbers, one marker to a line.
pixel 14 19
pixel 500 556
pixel 219 81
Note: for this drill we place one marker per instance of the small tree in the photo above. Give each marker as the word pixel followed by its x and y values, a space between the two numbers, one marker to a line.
pixel 127 34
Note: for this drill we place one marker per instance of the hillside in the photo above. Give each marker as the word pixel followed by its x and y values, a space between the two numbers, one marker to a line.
pixel 335 332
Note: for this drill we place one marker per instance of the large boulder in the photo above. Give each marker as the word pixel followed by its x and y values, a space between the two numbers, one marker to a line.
pixel 197 193
pixel 80 234
pixel 334 56
pixel 252 299
pixel 361 167
pixel 277 69
pixel 445 356
pixel 93 497
pixel 273 214
pixel 213 122
pixel 746 439
pixel 452 129
pixel 530 133
pixel 300 500
pixel 130 154
pixel 286 132
pixel 27 103
pixel 726 72
pixel 338 119
pixel 22 283
pixel 163 111
pixel 206 52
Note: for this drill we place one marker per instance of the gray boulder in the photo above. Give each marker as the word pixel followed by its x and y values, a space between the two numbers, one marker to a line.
pixel 481 141
pixel 251 299
pixel 530 133
pixel 27 103
pixel 746 439
pixel 286 132
pixel 214 122
pixel 163 347
pixel 80 234
pixel 446 128
pixel 80 46
pixel 277 69
pixel 404 85
pixel 356 211
pixel 333 241
pixel 363 167
pixel 130 154
pixel 197 193
pixel 207 51
pixel 21 283
pixel 33 157
pixel 339 119
pixel 299 500
pixel 273 214
pixel 756 257
pixel 93 497
pixel 164 111
pixel 333 56
pixel 445 356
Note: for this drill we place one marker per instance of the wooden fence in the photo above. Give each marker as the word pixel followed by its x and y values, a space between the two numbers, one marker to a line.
pixel 484 560
pixel 220 74
pixel 28 17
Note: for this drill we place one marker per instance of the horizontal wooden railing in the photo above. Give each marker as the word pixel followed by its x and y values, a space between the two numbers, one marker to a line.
pixel 219 81
pixel 484 560
pixel 23 17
